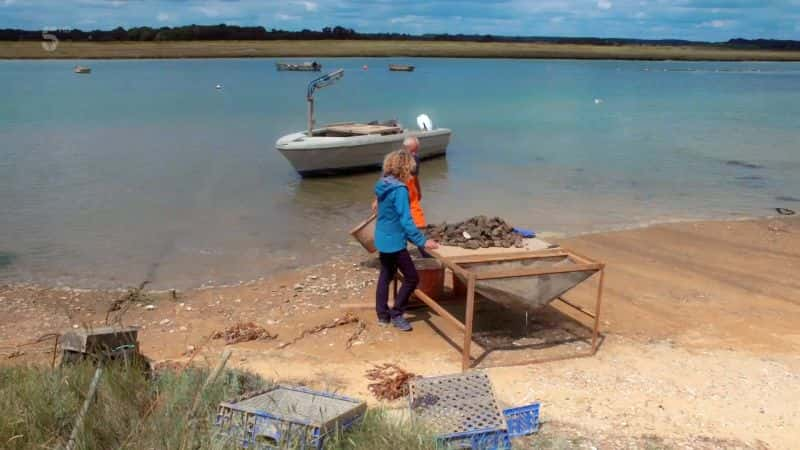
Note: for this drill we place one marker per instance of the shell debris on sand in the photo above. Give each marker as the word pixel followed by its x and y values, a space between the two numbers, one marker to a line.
pixel 476 232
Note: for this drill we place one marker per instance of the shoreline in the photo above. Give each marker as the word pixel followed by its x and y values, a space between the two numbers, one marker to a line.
pixel 28 50
pixel 553 236
pixel 206 284
pixel 684 303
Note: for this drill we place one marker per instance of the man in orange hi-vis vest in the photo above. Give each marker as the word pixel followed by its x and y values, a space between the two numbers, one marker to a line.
pixel 411 144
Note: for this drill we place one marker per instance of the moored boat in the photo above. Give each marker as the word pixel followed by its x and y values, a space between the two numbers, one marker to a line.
pixel 82 69
pixel 350 146
pixel 309 66
pixel 401 68
pixel 343 148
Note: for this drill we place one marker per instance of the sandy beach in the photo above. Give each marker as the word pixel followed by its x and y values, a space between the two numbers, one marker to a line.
pixel 699 322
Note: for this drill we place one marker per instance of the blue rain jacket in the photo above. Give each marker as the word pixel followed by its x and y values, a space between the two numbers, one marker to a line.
pixel 394 225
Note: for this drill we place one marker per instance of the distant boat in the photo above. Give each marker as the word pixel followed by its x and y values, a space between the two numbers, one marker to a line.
pixel 401 68
pixel 312 66
pixel 82 69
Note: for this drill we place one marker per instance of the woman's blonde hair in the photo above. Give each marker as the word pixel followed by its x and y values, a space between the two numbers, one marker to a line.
pixel 399 164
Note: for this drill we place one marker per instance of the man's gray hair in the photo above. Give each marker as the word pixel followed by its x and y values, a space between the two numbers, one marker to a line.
pixel 411 142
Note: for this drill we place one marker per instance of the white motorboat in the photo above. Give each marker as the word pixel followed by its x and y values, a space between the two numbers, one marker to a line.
pixel 350 146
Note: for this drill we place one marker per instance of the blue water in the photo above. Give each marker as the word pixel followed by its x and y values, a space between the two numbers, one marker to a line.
pixel 143 170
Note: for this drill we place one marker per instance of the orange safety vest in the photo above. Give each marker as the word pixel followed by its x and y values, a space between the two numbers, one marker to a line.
pixel 414 203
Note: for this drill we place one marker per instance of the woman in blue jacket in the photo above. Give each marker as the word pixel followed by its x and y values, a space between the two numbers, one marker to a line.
pixel 393 229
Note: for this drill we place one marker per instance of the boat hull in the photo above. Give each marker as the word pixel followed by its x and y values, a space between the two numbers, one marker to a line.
pixel 302 67
pixel 400 68
pixel 320 156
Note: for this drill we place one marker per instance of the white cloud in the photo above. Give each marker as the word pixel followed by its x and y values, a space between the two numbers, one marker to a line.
pixel 209 11
pixel 222 9
pixel 406 19
pixel 162 17
pixel 285 17
pixel 557 19
pixel 640 15
pixel 604 4
pixel 309 5
pixel 717 23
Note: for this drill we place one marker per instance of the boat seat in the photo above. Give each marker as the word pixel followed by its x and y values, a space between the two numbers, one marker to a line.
pixel 360 129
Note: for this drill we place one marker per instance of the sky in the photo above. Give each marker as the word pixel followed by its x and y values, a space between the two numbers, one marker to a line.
pixel 707 20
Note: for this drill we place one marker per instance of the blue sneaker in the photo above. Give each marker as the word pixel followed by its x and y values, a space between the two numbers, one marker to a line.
pixel 401 324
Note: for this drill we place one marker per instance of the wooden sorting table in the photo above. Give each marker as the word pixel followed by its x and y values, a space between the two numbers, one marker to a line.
pixel 458 260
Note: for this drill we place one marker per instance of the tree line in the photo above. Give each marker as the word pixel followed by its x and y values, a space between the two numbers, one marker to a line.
pixel 224 32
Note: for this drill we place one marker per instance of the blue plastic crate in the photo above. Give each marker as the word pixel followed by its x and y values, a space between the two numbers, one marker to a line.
pixel 286 417
pixel 523 420
pixel 476 440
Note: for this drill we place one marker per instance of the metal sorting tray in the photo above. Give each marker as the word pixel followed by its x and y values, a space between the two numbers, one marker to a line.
pixel 456 404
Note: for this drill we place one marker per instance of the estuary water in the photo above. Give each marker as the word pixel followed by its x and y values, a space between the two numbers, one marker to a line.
pixel 144 170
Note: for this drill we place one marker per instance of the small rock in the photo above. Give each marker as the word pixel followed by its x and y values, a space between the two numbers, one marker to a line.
pixel 150 307
pixel 182 328
pixel 164 322
pixel 75 326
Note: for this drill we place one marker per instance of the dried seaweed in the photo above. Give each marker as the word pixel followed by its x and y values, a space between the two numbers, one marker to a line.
pixel 348 318
pixel 243 332
pixel 390 381
pixel 356 334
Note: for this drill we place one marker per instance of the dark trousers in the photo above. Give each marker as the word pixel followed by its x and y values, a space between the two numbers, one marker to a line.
pixel 390 263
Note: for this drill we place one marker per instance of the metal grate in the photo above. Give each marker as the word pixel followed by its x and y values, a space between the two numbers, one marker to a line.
pixel 456 403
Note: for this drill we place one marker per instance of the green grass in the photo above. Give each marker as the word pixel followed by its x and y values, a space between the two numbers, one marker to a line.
pixel 134 411
pixel 380 429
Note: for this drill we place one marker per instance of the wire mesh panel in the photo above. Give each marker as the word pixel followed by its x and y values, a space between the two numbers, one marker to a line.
pixel 454 404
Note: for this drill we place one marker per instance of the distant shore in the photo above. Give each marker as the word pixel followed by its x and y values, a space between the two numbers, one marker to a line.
pixel 363 48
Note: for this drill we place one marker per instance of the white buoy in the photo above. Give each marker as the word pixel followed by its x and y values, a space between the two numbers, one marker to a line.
pixel 597 101
pixel 219 86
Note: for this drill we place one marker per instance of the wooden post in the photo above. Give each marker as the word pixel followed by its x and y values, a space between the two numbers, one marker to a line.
pixel 73 437
pixel 470 313
pixel 597 310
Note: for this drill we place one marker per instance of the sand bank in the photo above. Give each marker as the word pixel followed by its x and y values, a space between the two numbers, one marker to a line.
pixel 354 48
